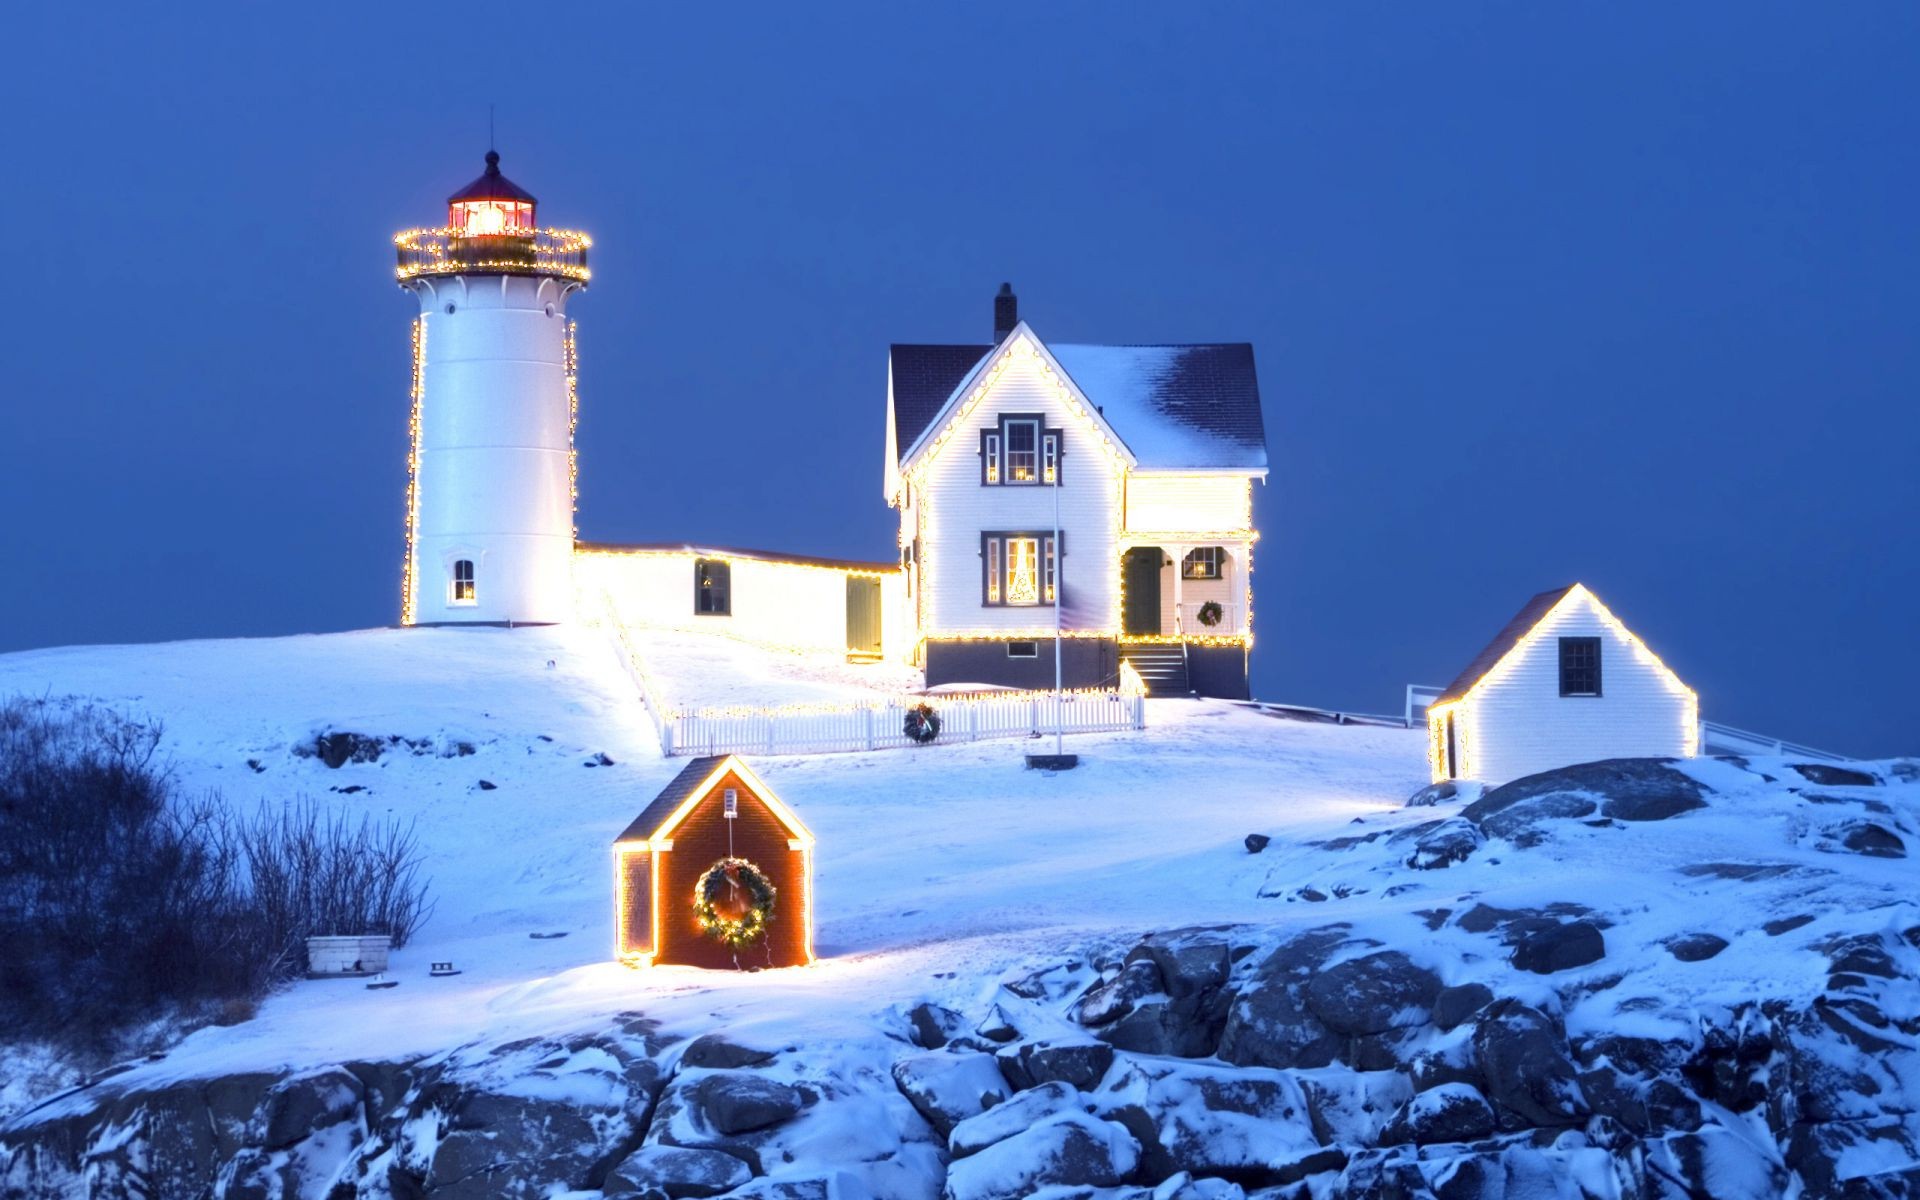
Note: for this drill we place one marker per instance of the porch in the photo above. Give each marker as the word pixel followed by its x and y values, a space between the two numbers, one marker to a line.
pixel 1183 615
pixel 1183 591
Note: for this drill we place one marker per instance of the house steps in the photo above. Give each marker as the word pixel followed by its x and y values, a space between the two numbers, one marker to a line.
pixel 1162 668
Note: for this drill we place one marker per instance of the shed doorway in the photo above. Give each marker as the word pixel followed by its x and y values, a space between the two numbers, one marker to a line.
pixel 863 617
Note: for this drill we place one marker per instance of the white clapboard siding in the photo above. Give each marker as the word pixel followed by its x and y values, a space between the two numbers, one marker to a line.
pixel 1171 503
pixel 790 605
pixel 955 509
pixel 1516 722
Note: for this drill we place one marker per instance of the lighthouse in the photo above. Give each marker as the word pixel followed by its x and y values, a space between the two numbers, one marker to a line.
pixel 491 470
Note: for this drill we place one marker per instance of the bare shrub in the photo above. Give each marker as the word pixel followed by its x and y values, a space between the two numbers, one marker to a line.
pixel 121 901
pixel 313 872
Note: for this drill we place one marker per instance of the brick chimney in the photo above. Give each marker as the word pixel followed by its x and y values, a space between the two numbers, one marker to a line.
pixel 1006 313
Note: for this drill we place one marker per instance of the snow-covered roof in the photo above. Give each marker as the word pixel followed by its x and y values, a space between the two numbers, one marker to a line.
pixel 1177 407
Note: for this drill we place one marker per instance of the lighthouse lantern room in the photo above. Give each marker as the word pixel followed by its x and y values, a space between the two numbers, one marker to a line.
pixel 491 470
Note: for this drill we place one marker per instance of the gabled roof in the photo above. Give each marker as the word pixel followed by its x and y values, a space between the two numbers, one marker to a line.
pixel 694 781
pixel 1503 643
pixel 1176 407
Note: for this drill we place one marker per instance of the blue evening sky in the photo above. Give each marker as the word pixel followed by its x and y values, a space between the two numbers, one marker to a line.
pixel 1622 293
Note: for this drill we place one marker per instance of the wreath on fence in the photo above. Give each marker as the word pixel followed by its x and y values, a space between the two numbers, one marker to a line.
pixel 1210 613
pixel 922 723
pixel 733 902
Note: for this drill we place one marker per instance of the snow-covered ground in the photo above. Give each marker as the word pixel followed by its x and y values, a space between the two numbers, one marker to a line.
pixel 934 861
pixel 695 671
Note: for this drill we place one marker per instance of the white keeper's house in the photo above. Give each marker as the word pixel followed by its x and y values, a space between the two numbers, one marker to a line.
pixel 1106 491
pixel 1148 454
pixel 1565 682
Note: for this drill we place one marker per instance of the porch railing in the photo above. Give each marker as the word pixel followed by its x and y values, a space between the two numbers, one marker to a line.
pixel 1188 622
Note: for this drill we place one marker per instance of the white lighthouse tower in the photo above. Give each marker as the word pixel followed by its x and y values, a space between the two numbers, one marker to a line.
pixel 490 484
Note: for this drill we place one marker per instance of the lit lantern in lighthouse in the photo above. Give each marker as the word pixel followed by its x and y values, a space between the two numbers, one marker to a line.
pixel 491 206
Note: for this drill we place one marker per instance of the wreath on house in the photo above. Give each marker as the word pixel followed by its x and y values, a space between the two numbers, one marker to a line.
pixel 922 724
pixel 733 902
pixel 1210 613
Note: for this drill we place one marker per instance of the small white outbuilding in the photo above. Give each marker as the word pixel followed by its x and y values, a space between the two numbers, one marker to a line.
pixel 1565 682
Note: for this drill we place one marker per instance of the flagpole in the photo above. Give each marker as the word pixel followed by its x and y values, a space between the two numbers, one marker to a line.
pixel 1059 593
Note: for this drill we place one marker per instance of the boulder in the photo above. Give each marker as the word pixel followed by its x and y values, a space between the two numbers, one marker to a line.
pixel 1256 842
pixel 1452 1112
pixel 1714 1161
pixel 1560 948
pixel 1075 1063
pixel 718 1051
pixel 1828 775
pixel 736 1102
pixel 1613 778
pixel 1072 1149
pixel 1452 1006
pixel 1447 791
pixel 1372 994
pixel 1523 1057
pixel 310 1101
pixel 1170 997
pixel 1268 1024
pixel 1865 837
pixel 677 1172
pixel 948 1088
pixel 1445 844
pixel 1695 947
pixel 1114 998
pixel 1248 1124
pixel 933 1026
pixel 1002 1121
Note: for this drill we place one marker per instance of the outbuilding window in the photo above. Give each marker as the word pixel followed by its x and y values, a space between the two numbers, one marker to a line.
pixel 712 587
pixel 1579 666
pixel 463 590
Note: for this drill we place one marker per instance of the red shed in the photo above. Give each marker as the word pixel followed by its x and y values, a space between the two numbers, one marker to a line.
pixel 717 872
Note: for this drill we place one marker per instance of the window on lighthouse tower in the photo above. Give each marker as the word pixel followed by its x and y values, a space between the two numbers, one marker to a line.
pixel 463 591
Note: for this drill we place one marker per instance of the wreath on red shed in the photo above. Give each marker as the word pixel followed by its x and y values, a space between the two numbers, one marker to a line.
pixel 733 901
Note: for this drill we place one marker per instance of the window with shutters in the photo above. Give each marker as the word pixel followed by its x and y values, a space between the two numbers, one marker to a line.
pixel 712 587
pixel 1579 666
pixel 1019 570
pixel 1020 451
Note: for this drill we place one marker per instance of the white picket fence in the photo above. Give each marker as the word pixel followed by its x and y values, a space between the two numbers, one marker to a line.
pixel 880 724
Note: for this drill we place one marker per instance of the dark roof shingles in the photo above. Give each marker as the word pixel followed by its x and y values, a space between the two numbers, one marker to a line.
pixel 1208 391
pixel 1509 637
pixel 670 798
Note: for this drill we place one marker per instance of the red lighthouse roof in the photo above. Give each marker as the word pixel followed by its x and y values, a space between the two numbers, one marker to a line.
pixel 492 185
pixel 491 206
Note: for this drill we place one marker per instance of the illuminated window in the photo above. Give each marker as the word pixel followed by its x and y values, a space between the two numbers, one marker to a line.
pixel 463 590
pixel 1020 450
pixel 1019 569
pixel 712 587
pixel 1579 666
pixel 491 218
pixel 1023 451
pixel 1203 562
